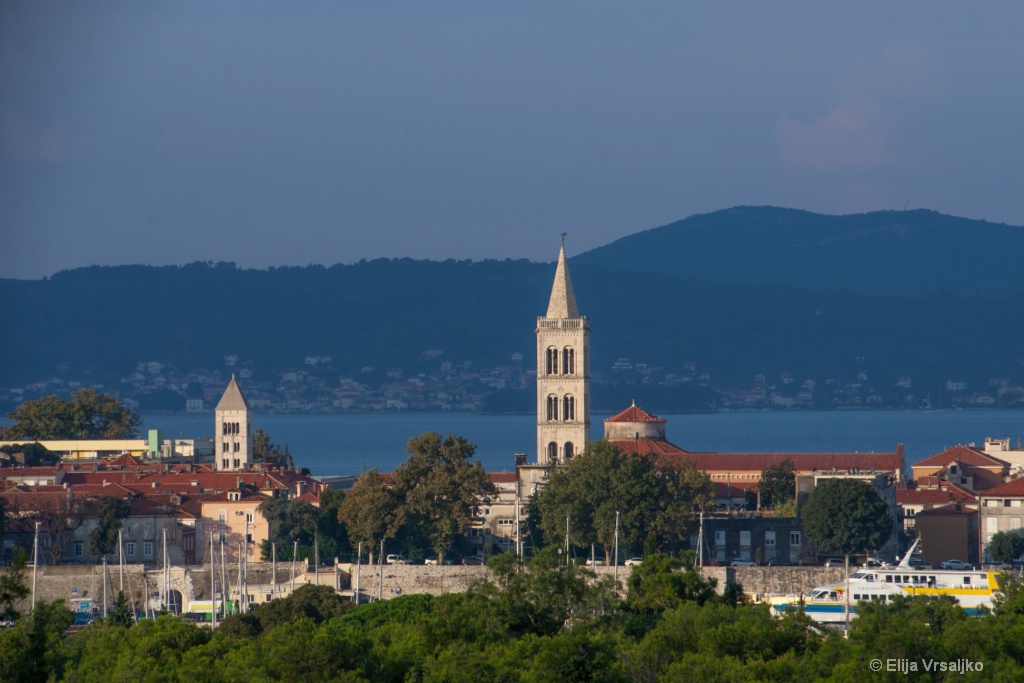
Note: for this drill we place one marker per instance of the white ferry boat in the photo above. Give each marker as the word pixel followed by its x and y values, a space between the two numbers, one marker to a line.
pixel 972 589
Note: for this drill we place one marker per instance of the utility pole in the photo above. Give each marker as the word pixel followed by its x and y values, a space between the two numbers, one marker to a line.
pixel 359 565
pixel 213 583
pixel 616 550
pixel 35 567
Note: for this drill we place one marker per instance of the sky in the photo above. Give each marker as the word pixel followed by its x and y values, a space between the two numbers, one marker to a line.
pixel 296 133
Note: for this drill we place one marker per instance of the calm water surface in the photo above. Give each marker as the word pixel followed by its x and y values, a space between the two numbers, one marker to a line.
pixel 348 444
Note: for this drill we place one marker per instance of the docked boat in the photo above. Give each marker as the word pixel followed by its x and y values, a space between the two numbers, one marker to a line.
pixel 972 589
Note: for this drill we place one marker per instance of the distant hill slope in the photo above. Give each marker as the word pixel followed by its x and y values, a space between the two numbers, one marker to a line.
pixel 895 253
pixel 95 324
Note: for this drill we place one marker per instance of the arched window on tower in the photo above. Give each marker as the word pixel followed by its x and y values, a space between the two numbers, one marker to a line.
pixel 568 361
pixel 568 408
pixel 552 361
pixel 568 450
pixel 552 408
pixel 552 452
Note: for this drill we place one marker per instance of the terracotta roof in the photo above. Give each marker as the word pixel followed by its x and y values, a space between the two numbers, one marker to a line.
pixel 924 497
pixel 966 455
pixel 635 414
pixel 502 477
pixel 802 462
pixel 1010 488
pixel 648 447
pixel 125 460
pixel 951 509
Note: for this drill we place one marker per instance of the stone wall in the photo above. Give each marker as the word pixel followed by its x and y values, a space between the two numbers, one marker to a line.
pixel 193 583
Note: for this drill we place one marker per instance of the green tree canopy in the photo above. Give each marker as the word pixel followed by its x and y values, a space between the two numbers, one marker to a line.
pixel 1005 546
pixel 652 499
pixel 88 415
pixel 439 490
pixel 845 516
pixel 369 510
pixel 777 484
pixel 111 515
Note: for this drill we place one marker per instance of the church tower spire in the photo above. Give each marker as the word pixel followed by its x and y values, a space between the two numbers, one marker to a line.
pixel 233 440
pixel 563 373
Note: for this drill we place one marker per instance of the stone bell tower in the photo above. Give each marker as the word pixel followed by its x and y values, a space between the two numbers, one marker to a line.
pixel 563 373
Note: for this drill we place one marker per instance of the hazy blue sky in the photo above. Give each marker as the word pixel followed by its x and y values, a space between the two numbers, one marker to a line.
pixel 326 132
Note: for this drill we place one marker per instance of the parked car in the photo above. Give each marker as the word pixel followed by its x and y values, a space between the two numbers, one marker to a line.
pixel 876 563
pixel 472 560
pixel 915 563
pixel 779 562
pixel 433 559
pixel 835 562
pixel 634 561
pixel 743 563
pixel 396 559
pixel 955 564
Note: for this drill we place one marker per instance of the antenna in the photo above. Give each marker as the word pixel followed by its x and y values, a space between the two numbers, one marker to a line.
pixel 563 238
pixel 906 205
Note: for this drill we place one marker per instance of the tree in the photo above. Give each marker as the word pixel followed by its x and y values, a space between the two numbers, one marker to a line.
pixel 264 450
pixel 288 520
pixel 1005 546
pixel 438 489
pixel 88 415
pixel 12 586
pixel 31 454
pixel 111 515
pixel 845 516
pixel 777 484
pixel 651 501
pixel 59 516
pixel 369 510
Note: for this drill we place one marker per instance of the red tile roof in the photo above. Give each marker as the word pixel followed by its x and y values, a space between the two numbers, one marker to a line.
pixel 951 509
pixel 634 414
pixel 502 477
pixel 802 462
pixel 924 497
pixel 1010 488
pixel 648 447
pixel 966 455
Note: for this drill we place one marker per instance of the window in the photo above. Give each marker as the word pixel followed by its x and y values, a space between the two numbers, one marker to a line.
pixel 147 549
pixel 794 539
pixel 552 452
pixel 236 463
pixel 991 524
pixel 568 361
pixel 552 408
pixel 1014 523
pixel 719 537
pixel 237 446
pixel 1006 502
pixel 223 538
pixel 222 516
pixel 224 463
pixel 129 549
pixel 552 361
pixel 225 447
pixel 128 528
pixel 248 517
pixel 744 538
pixel 78 549
pixel 568 409
pixel 769 539
pixel 568 450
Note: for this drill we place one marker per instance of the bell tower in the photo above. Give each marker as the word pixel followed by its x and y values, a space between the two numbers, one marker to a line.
pixel 233 440
pixel 563 373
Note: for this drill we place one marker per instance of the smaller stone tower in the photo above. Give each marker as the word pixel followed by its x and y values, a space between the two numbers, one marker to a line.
pixel 233 431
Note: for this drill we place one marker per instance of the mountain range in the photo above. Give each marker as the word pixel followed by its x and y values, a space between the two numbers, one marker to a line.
pixel 735 293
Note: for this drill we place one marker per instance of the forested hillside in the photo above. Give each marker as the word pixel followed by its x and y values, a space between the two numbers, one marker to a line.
pixel 95 324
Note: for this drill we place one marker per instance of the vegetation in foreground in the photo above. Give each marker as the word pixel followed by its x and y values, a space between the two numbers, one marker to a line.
pixel 532 622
